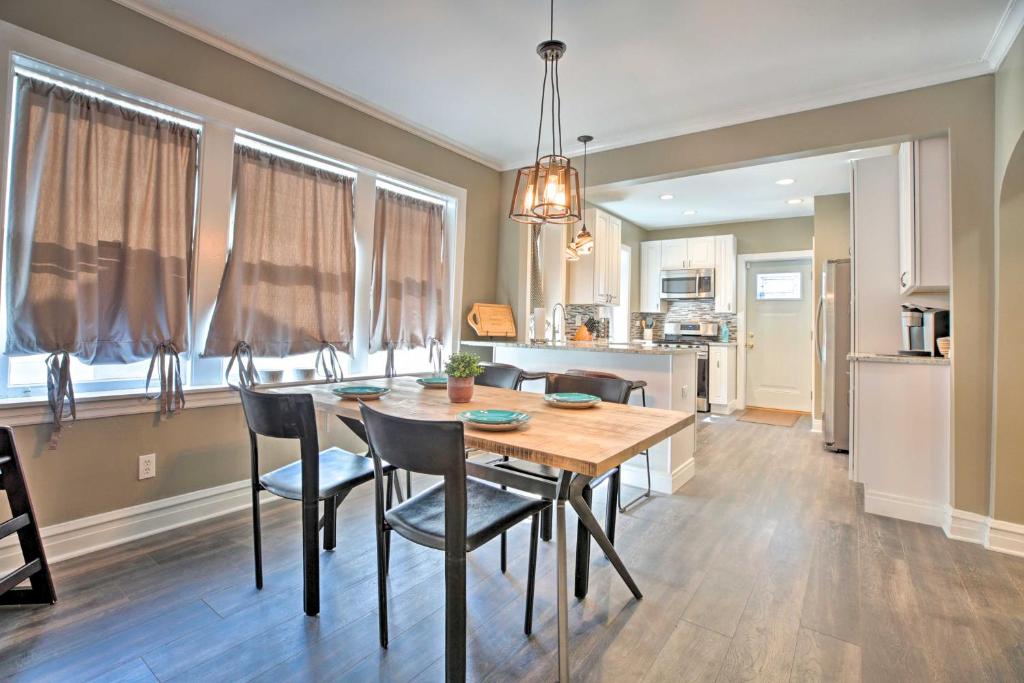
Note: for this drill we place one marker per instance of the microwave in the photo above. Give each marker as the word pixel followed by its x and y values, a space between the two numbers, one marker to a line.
pixel 691 283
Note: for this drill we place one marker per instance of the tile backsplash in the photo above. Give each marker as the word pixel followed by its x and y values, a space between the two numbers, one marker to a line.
pixel 585 311
pixel 684 311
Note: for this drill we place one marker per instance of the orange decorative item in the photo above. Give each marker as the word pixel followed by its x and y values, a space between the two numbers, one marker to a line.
pixel 583 334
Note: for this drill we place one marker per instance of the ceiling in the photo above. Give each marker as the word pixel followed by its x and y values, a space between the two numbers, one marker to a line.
pixel 465 74
pixel 741 194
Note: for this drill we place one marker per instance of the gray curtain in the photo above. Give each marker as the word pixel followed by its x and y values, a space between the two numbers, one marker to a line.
pixel 289 283
pixel 99 243
pixel 409 287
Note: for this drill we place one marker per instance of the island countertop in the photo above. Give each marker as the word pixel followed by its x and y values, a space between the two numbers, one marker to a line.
pixel 896 359
pixel 597 346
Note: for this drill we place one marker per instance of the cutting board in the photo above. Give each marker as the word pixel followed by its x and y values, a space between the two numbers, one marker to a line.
pixel 492 320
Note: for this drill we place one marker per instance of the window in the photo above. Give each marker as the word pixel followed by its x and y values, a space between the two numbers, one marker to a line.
pixel 778 286
pixel 214 233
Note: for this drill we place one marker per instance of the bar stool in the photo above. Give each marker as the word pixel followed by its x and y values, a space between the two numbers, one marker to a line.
pixel 640 385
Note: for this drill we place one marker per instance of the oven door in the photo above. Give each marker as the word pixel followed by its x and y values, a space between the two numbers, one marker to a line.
pixel 679 284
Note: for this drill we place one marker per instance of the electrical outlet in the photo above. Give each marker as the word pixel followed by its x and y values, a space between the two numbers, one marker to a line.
pixel 147 466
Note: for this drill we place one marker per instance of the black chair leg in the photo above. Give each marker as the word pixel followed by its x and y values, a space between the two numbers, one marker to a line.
pixel 455 615
pixel 532 575
pixel 408 484
pixel 257 536
pixel 545 524
pixel 611 507
pixel 387 532
pixel 331 523
pixel 310 557
pixel 583 550
pixel 382 584
pixel 504 545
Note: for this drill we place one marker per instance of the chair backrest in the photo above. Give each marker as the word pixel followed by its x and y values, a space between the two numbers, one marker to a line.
pixel 426 447
pixel 611 389
pixel 284 416
pixel 500 375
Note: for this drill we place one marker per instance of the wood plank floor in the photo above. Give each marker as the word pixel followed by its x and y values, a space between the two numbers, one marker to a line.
pixel 764 567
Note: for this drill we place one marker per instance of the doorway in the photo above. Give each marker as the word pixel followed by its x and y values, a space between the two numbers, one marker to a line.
pixel 620 313
pixel 778 334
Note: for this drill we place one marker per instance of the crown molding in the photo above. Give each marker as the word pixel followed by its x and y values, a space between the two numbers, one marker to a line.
pixel 313 84
pixel 792 106
pixel 1006 32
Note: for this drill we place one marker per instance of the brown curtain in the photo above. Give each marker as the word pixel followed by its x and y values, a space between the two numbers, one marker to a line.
pixel 409 293
pixel 99 242
pixel 289 283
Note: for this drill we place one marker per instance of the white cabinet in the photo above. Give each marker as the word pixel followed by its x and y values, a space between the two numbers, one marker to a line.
pixel 693 252
pixel 721 377
pixel 725 274
pixel 650 277
pixel 594 279
pixel 924 215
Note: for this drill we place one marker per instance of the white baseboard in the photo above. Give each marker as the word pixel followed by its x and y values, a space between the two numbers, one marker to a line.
pixel 816 426
pixel 723 409
pixel 961 525
pixel 661 482
pixel 904 507
pixel 89 534
pixel 1006 537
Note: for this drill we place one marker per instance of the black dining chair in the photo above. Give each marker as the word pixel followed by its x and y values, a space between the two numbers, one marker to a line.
pixel 500 375
pixel 327 476
pixel 636 385
pixel 612 390
pixel 456 515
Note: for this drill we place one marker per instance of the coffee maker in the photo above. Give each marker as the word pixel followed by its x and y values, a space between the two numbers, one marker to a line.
pixel 921 327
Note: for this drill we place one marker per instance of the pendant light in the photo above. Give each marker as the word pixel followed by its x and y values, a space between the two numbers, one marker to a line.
pixel 584 242
pixel 548 191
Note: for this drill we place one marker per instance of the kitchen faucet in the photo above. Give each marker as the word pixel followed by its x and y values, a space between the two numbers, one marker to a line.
pixel 554 326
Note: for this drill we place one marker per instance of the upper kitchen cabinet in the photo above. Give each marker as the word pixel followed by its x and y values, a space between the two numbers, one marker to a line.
pixel 725 273
pixel 694 252
pixel 594 279
pixel 650 277
pixel 924 215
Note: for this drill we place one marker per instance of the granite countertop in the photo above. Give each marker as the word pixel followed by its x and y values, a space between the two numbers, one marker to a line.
pixel 721 343
pixel 897 359
pixel 601 347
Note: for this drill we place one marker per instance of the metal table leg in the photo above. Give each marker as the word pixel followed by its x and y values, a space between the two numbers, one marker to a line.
pixel 586 516
pixel 562 494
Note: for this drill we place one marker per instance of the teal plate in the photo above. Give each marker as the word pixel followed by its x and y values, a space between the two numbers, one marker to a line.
pixel 494 420
pixel 572 400
pixel 363 391
pixel 433 382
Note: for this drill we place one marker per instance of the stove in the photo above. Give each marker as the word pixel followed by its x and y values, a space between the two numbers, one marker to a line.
pixel 693 335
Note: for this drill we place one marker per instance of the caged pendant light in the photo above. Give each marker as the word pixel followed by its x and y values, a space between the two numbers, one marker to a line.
pixel 548 191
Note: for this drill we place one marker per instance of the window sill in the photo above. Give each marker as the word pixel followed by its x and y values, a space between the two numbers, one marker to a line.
pixel 34 410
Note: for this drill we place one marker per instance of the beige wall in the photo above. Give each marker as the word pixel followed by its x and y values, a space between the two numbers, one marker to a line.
pixel 94 468
pixel 752 237
pixel 1008 448
pixel 962 109
pixel 831 241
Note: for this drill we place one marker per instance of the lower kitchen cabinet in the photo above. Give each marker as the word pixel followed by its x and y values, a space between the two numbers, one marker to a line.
pixel 722 378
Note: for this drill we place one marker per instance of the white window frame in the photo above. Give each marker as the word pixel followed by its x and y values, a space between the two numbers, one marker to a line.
pixel 220 123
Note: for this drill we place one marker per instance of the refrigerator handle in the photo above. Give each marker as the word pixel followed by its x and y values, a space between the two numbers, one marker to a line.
pixel 817 327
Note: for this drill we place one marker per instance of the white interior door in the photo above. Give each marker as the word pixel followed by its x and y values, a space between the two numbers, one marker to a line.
pixel 778 335
pixel 620 312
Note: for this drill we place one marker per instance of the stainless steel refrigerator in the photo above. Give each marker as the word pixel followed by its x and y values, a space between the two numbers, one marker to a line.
pixel 833 325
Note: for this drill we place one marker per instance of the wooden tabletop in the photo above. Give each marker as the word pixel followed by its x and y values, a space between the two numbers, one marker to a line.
pixel 589 441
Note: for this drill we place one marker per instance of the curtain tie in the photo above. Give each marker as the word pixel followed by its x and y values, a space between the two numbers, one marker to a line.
pixel 60 392
pixel 241 354
pixel 172 392
pixel 327 360
pixel 389 364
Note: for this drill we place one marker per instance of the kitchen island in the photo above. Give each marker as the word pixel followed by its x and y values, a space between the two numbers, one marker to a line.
pixel 671 376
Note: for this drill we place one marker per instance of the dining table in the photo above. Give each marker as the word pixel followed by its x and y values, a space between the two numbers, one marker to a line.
pixel 579 444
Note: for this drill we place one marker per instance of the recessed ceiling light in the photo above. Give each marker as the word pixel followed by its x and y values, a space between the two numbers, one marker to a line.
pixel 667 196
pixel 785 181
pixel 794 201
pixel 689 212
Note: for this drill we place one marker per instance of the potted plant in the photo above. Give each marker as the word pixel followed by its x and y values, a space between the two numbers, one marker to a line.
pixel 462 369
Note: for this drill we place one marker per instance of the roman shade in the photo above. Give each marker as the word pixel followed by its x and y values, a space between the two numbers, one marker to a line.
pixel 102 207
pixel 409 285
pixel 289 283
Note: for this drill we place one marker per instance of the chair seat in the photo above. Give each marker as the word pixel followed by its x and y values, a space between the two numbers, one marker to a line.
pixel 544 471
pixel 339 470
pixel 489 511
